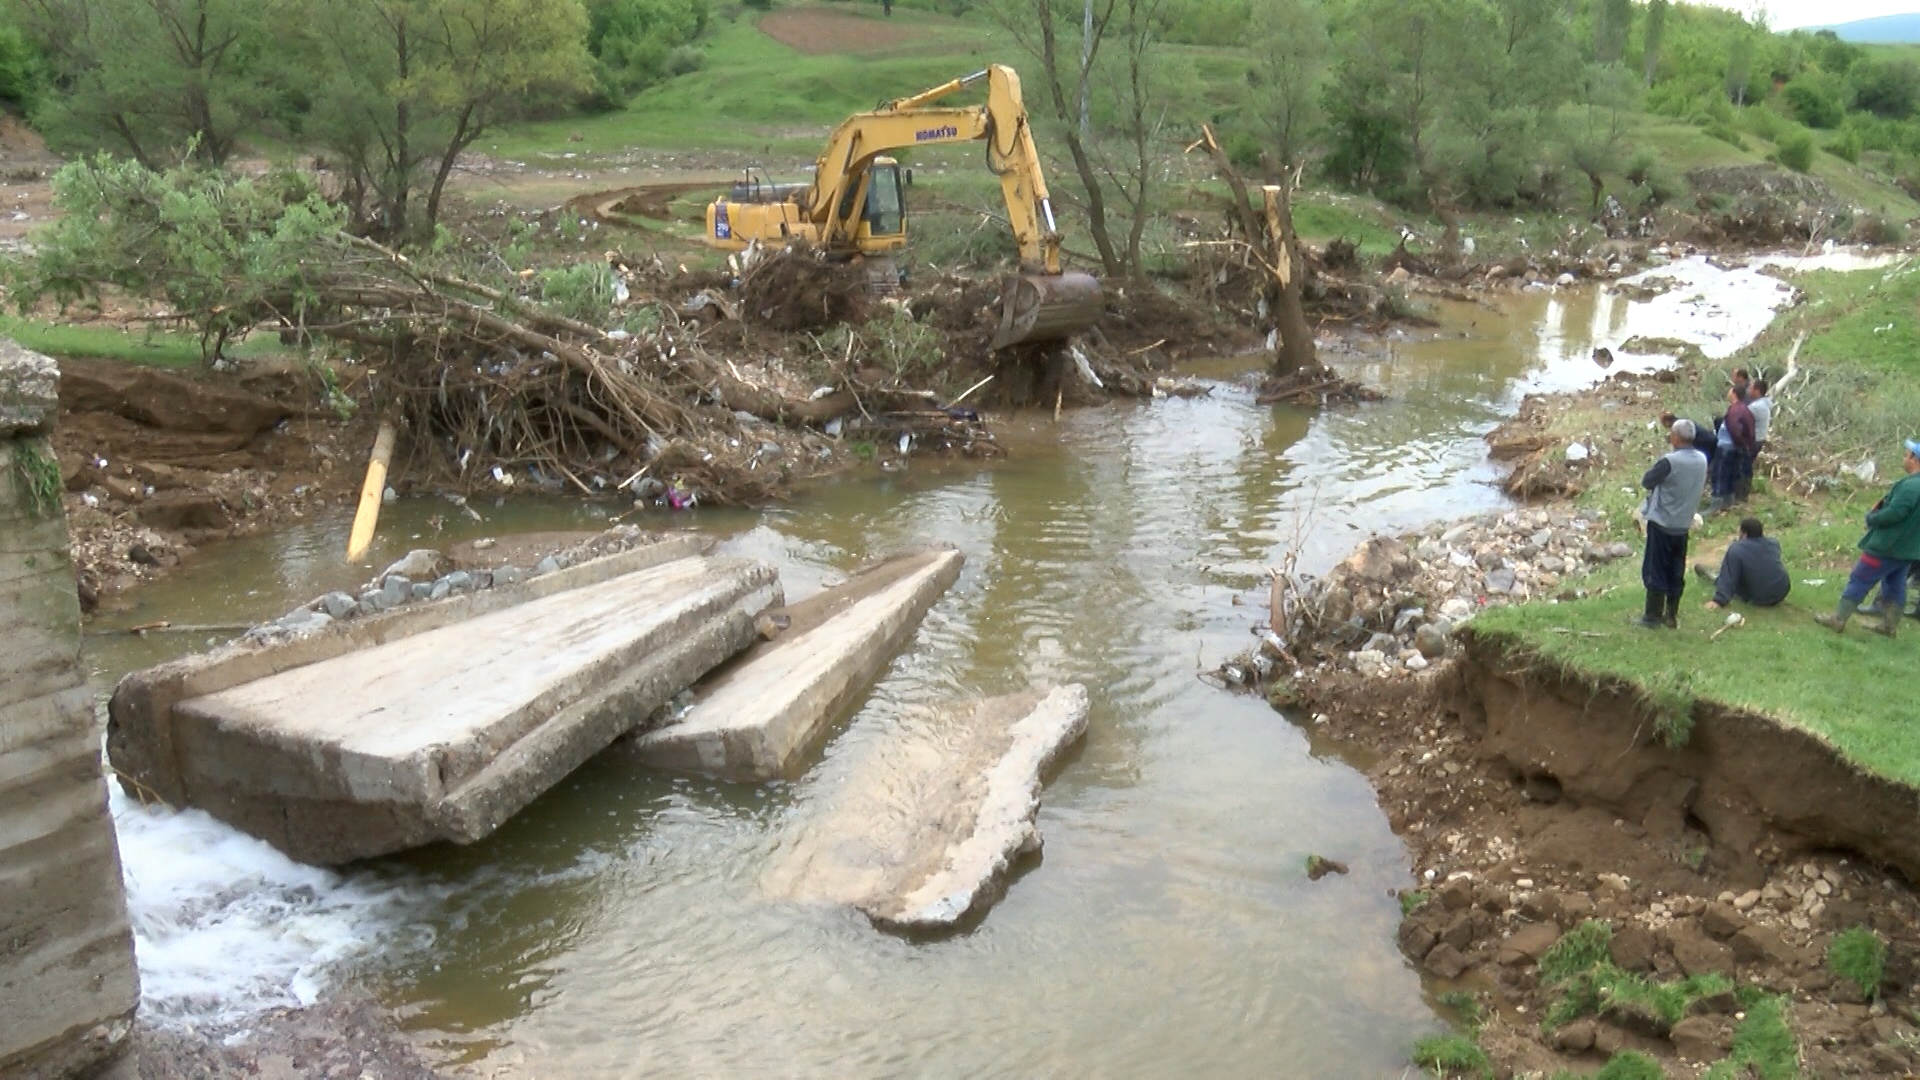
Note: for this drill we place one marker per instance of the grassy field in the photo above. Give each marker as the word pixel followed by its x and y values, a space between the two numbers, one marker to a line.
pixel 1860 374
pixel 156 348
pixel 761 100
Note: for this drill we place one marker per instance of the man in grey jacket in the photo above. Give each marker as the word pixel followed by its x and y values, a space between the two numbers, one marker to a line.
pixel 1751 572
pixel 1673 488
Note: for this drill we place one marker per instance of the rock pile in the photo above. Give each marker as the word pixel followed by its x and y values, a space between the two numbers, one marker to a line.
pixel 425 575
pixel 1393 605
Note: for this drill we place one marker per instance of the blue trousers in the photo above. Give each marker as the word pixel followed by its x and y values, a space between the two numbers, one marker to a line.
pixel 1728 465
pixel 1871 570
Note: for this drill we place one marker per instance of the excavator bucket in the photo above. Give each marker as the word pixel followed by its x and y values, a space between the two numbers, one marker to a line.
pixel 1046 307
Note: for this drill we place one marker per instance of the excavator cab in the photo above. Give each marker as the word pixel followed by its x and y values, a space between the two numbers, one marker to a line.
pixel 879 204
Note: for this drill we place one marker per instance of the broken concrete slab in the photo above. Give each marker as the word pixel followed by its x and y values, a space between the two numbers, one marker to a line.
pixel 29 391
pixel 755 719
pixel 421 725
pixel 924 830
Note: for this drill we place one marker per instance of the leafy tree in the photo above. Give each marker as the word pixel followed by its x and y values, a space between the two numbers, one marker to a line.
pixel 1739 67
pixel 1888 88
pixel 23 72
pixel 231 251
pixel 405 86
pixel 636 43
pixel 1653 34
pixel 1121 72
pixel 157 78
pixel 1595 140
pixel 1290 47
pixel 1367 145
pixel 1815 102
pixel 1613 21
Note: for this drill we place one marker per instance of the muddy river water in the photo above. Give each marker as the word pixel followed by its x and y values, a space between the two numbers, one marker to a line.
pixel 619 926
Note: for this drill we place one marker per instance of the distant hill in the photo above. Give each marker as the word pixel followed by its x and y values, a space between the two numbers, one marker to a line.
pixel 1885 30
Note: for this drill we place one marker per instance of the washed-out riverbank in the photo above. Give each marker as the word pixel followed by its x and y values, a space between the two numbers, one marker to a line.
pixel 1540 799
pixel 1170 925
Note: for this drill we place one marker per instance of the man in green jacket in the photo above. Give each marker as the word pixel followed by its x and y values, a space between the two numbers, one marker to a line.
pixel 1889 549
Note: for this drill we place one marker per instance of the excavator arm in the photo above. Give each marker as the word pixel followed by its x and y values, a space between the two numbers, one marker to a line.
pixel 916 121
pixel 1041 303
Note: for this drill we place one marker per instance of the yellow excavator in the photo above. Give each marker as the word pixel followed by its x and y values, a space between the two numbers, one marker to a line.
pixel 855 204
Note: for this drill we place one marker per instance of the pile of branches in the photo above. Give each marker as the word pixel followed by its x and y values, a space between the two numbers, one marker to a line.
pixel 489 382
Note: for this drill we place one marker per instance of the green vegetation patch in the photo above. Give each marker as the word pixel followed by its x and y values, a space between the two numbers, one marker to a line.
pixel 1860 957
pixel 1452 1056
pixel 1763 1045
pixel 39 476
pixel 1580 964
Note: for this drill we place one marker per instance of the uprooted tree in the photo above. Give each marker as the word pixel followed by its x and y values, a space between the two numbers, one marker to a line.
pixel 1270 238
pixel 479 373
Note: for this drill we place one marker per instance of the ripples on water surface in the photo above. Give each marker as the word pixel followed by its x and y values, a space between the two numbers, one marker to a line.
pixel 619 926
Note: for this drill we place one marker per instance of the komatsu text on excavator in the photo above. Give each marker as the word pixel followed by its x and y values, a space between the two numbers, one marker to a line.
pixel 855 206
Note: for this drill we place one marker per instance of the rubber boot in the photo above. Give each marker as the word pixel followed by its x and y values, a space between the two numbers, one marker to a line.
pixel 1837 622
pixel 1672 619
pixel 1656 604
pixel 1889 620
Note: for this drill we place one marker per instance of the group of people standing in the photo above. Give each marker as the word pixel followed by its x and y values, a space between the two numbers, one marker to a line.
pixel 1722 457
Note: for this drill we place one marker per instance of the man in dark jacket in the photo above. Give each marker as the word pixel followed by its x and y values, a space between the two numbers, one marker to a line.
pixel 1751 571
pixel 1887 552
pixel 1736 447
pixel 1702 435
pixel 1673 494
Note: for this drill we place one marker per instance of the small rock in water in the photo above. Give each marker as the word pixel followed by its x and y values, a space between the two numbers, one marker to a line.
pixel 337 604
pixel 1319 866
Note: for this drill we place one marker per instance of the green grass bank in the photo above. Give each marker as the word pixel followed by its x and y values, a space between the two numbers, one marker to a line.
pixel 1850 401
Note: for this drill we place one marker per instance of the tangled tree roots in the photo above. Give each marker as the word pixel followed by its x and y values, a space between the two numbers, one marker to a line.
pixel 799 288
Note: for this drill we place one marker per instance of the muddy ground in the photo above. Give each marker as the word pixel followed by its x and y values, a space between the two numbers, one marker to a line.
pixel 1508 862
pixel 158 464
pixel 1531 801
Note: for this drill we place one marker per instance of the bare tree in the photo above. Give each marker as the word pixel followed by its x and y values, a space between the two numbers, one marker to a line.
pixel 1112 159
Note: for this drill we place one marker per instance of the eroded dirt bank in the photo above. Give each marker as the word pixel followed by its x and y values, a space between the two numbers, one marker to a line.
pixel 1531 802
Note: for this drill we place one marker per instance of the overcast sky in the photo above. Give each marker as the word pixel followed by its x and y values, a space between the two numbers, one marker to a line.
pixel 1787 14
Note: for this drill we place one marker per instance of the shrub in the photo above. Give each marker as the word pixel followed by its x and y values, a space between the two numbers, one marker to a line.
pixel 583 292
pixel 1452 1055
pixel 1763 122
pixel 1860 957
pixel 1796 151
pixel 1846 146
pixel 1813 103
pixel 1879 229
